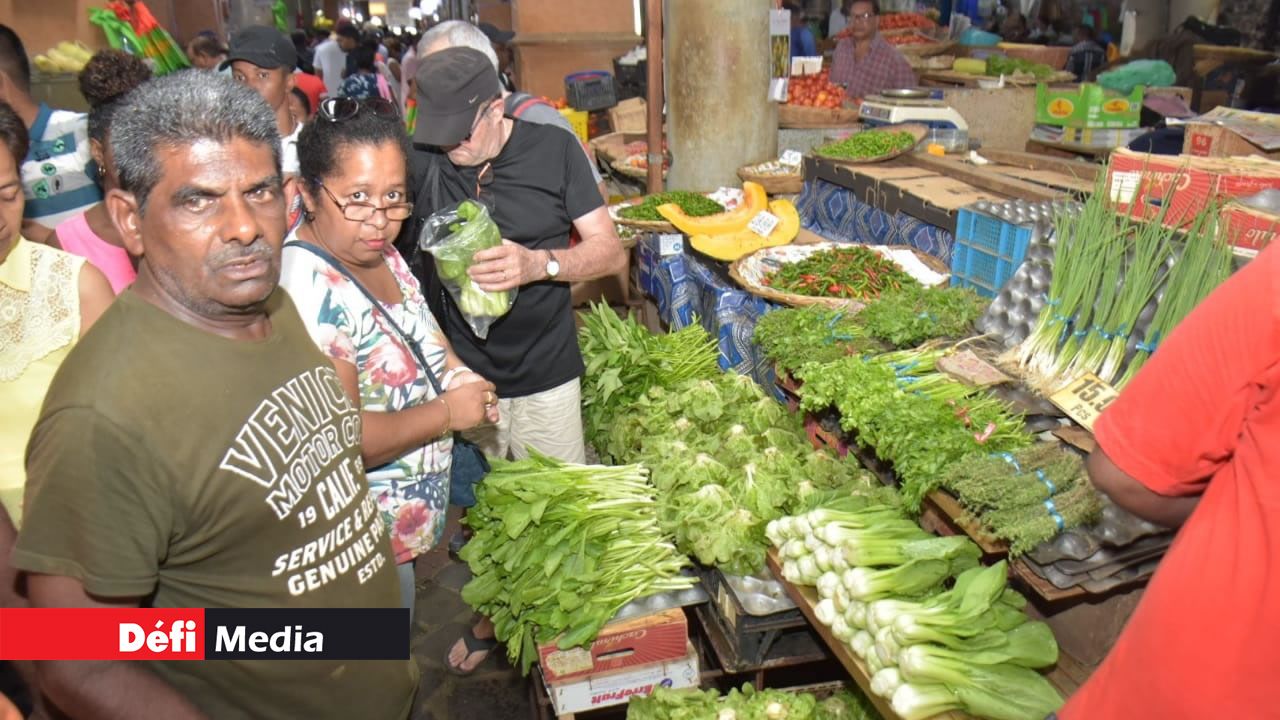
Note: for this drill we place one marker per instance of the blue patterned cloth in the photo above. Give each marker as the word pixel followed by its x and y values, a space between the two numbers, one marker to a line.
pixel 687 291
pixel 835 213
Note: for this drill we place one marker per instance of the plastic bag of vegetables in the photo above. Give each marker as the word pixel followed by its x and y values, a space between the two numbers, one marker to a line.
pixel 453 237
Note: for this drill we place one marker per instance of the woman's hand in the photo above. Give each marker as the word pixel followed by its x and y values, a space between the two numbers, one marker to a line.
pixel 471 404
pixel 467 377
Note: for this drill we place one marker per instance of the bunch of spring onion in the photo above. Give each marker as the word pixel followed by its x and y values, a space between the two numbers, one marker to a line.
pixel 879 577
pixel 559 549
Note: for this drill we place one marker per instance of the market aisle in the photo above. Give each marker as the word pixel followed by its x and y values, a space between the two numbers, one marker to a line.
pixel 496 690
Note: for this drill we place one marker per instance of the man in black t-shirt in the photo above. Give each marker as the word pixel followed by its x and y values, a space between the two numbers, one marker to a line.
pixel 538 186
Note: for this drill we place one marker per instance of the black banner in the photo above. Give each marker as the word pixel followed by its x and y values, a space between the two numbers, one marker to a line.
pixel 307 634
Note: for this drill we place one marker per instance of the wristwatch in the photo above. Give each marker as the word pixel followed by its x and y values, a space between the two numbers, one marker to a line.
pixel 553 266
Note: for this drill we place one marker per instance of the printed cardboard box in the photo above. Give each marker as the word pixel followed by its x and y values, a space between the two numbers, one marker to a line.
pixel 1141 183
pixel 599 691
pixel 637 641
pixel 1248 229
pixel 1087 106
pixel 1227 132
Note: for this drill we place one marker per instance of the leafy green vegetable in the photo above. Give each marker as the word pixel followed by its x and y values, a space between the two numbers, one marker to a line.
pixel 559 549
pixel 792 337
pixel 474 231
pixel 748 704
pixel 868 144
pixel 693 204
pixel 909 316
pixel 1003 65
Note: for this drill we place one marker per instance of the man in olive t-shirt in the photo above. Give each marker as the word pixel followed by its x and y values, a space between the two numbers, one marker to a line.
pixel 197 449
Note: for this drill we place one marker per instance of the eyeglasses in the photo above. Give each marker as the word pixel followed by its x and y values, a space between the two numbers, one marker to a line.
pixel 343 108
pixel 862 16
pixel 479 116
pixel 356 211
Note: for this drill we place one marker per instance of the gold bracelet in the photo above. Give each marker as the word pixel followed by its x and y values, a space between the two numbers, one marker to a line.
pixel 448 416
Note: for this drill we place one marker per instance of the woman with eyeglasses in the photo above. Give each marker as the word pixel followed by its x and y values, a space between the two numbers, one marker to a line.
pixel 365 310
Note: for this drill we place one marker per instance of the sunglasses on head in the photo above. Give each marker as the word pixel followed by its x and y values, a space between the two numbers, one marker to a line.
pixel 343 108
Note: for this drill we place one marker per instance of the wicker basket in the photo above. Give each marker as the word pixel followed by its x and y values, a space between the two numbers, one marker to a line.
pixel 773 184
pixel 801 116
pixel 793 300
pixel 1055 56
pixel 622 168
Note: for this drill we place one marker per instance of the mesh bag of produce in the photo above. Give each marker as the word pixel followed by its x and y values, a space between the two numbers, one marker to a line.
pixel 453 237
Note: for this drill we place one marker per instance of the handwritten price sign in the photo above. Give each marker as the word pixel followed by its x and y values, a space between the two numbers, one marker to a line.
pixel 1085 399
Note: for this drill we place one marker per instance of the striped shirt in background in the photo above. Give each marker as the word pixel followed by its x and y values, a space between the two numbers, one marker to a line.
pixel 55 178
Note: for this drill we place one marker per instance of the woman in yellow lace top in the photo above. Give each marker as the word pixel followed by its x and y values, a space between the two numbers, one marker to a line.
pixel 48 299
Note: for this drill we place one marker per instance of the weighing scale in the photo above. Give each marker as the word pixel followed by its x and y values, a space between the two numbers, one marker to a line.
pixel 892 107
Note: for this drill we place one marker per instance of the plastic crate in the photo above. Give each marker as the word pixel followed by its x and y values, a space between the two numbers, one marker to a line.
pixel 987 252
pixel 590 90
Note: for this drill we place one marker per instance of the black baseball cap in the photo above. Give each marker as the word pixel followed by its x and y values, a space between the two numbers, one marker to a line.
pixel 452 85
pixel 264 46
pixel 491 31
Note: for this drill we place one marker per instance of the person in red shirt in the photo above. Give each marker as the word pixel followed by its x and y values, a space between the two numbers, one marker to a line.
pixel 1193 443
pixel 865 63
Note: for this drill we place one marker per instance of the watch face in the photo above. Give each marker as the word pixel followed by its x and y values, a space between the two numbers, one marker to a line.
pixel 553 268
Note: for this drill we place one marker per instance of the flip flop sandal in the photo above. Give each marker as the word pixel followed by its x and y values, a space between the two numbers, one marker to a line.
pixel 473 645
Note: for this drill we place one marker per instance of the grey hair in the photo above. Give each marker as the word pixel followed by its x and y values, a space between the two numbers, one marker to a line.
pixel 457 33
pixel 180 109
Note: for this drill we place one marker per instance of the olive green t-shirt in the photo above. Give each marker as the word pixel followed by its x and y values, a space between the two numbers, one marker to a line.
pixel 192 470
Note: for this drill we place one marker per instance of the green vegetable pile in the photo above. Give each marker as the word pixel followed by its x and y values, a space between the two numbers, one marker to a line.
pixel 693 204
pixel 998 65
pixel 912 416
pixel 791 337
pixel 853 272
pixel 1025 497
pixel 472 232
pixel 559 549
pixel 868 144
pixel 624 360
pixel 929 650
pixel 748 704
pixel 911 315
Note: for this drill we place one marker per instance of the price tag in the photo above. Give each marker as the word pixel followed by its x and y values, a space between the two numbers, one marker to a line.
pixel 763 223
pixel 792 158
pixel 726 605
pixel 670 244
pixel 1085 399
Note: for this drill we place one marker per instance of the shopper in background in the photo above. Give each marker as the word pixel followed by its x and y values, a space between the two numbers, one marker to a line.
pixel 55 171
pixel 1192 444
pixel 537 186
pixel 802 42
pixel 331 56
pixel 306 53
pixel 366 82
pixel 49 299
pixel 865 63
pixel 518 105
pixel 157 469
pixel 206 51
pixel 263 58
pixel 300 104
pixel 839 19
pixel 500 41
pixel 1087 56
pixel 106 79
pixel 354 170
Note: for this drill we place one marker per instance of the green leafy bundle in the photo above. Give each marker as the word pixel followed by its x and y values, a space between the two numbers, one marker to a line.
pixel 693 204
pixel 913 314
pixel 559 549
pixel 748 704
pixel 812 333
pixel 624 360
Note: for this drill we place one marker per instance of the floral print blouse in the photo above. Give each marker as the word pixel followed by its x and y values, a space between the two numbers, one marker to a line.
pixel 412 490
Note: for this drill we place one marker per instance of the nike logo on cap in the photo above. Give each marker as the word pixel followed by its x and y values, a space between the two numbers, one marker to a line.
pixel 473 99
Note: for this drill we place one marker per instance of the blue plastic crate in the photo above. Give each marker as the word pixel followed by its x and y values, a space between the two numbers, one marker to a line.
pixel 987 252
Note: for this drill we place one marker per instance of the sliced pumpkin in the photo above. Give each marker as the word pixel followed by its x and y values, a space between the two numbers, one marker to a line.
pixel 754 200
pixel 732 246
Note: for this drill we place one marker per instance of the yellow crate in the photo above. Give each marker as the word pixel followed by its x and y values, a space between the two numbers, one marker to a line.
pixel 577 119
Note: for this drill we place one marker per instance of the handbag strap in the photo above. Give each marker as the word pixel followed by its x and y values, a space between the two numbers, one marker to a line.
pixel 413 344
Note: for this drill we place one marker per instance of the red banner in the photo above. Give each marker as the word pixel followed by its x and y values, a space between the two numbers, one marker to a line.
pixel 101 634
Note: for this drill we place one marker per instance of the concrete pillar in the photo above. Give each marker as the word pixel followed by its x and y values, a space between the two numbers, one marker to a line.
pixel 719 117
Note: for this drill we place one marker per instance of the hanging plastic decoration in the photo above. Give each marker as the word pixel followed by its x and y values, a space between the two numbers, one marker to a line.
pixel 280 13
pixel 157 44
pixel 120 35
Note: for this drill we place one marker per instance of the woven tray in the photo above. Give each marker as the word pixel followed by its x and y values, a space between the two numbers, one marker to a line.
pixel 790 184
pixel 751 270
pixel 657 226
pixel 937 47
pixel 802 117
pixel 916 129
pixel 622 168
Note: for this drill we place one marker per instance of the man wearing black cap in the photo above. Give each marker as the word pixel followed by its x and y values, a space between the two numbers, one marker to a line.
pixel 263 58
pixel 501 42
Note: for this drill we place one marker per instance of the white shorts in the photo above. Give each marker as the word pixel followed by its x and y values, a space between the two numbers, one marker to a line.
pixel 549 422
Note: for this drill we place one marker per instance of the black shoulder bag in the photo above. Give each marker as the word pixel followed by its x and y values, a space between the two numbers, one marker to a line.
pixel 469 465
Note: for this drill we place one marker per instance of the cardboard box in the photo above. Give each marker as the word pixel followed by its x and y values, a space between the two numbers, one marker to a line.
pixel 638 641
pixel 1087 137
pixel 1087 106
pixel 1248 229
pixel 1226 132
pixel 1141 183
pixel 600 691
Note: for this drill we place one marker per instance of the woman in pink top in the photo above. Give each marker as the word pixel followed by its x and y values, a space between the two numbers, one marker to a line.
pixel 108 77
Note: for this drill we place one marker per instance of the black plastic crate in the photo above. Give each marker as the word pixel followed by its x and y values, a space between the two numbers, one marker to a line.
pixel 631 75
pixel 590 90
